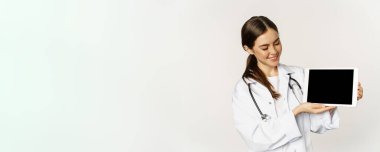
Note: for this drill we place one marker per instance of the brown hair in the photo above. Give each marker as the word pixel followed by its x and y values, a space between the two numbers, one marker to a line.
pixel 252 29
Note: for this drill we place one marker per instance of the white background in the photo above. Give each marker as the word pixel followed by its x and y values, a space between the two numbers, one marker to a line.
pixel 158 75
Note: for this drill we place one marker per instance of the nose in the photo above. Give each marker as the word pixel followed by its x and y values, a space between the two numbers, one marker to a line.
pixel 273 50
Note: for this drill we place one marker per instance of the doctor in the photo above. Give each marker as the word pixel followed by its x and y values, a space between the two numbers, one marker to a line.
pixel 277 121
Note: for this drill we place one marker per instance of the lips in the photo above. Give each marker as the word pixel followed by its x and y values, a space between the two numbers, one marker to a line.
pixel 273 58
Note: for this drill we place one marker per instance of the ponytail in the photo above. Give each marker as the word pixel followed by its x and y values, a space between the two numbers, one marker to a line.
pixel 254 72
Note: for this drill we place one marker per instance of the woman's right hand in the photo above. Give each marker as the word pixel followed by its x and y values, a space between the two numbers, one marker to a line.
pixel 311 108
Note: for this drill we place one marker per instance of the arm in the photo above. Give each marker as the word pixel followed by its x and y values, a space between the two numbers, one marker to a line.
pixel 328 120
pixel 257 134
pixel 320 123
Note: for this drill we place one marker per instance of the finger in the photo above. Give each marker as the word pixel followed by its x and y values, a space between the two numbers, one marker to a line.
pixel 317 106
pixel 359 93
pixel 360 97
pixel 327 108
pixel 320 110
pixel 331 107
pixel 360 88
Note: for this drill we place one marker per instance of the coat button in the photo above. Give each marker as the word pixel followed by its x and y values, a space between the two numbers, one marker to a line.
pixel 270 102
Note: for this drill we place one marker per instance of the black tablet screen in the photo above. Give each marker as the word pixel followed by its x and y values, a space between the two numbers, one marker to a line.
pixel 330 86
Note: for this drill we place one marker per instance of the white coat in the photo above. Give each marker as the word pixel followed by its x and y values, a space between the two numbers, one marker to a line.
pixel 282 133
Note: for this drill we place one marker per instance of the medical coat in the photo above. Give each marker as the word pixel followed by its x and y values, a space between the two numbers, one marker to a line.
pixel 282 133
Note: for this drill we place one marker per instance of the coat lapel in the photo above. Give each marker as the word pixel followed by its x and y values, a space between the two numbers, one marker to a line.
pixel 283 73
pixel 263 94
pixel 283 86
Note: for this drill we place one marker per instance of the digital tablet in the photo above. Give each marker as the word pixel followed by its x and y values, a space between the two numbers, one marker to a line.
pixel 331 86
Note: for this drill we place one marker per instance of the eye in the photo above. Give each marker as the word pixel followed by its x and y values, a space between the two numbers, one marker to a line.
pixel 264 49
pixel 277 43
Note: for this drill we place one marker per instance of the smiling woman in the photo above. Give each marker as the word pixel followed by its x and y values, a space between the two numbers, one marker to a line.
pixel 276 120
pixel 264 51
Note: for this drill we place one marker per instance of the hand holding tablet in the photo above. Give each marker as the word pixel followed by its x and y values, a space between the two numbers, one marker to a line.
pixel 332 86
pixel 312 108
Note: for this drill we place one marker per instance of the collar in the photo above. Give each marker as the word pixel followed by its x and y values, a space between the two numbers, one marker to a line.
pixel 283 70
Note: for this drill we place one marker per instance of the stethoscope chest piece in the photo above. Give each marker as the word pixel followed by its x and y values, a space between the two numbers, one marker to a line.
pixel 265 117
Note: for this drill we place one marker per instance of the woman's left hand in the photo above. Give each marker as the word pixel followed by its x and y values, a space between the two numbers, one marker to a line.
pixel 360 91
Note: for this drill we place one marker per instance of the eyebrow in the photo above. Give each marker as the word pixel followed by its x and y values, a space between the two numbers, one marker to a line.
pixel 268 44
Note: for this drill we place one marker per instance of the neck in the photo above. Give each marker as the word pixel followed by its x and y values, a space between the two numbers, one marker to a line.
pixel 268 70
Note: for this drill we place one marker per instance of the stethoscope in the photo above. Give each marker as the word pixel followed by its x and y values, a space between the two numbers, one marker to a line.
pixel 291 84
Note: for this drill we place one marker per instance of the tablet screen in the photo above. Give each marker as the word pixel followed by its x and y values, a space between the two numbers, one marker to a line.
pixel 334 86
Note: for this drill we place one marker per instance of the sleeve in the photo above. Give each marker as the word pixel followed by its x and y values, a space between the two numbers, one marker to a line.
pixel 322 122
pixel 257 134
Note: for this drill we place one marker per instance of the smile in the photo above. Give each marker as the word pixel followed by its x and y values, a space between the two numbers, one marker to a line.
pixel 273 58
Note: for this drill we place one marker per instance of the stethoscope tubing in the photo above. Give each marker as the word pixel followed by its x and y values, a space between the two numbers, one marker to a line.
pixel 266 117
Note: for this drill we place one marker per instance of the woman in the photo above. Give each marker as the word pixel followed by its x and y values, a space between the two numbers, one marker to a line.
pixel 282 123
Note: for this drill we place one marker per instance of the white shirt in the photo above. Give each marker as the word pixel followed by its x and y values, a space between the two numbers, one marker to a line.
pixel 281 105
pixel 284 132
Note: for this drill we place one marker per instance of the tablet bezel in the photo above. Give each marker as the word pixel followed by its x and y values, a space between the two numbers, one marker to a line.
pixel 354 90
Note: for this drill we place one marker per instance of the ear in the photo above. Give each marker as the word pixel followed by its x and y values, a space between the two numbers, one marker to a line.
pixel 250 51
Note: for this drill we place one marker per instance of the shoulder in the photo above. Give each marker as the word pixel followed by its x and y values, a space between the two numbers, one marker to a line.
pixel 241 90
pixel 293 68
pixel 299 72
pixel 240 85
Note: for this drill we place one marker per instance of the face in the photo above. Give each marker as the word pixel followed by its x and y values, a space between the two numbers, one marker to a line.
pixel 267 49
